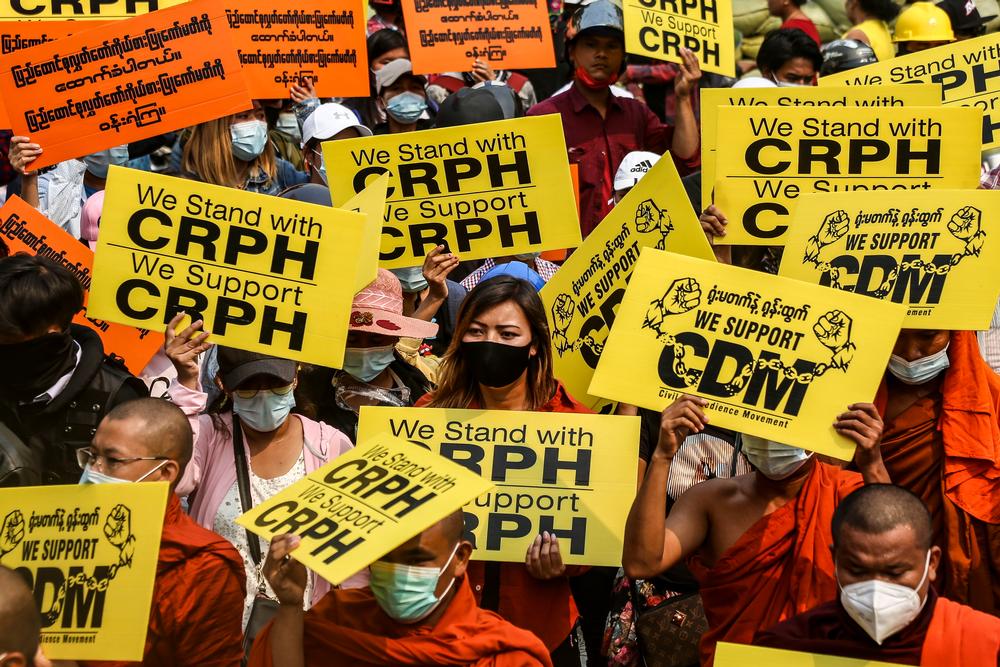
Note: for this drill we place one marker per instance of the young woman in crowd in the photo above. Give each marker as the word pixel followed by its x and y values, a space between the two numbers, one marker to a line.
pixel 870 19
pixel 791 15
pixel 384 46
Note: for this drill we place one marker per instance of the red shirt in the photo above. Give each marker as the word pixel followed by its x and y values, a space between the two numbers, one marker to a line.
pixel 806 26
pixel 598 145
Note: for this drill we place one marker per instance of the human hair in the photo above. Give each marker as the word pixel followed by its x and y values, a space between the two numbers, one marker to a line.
pixel 20 623
pixel 165 429
pixel 786 44
pixel 208 155
pixel 875 509
pixel 383 41
pixel 883 10
pixel 36 294
pixel 457 387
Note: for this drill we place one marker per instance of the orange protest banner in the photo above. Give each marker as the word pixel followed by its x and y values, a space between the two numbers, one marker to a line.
pixel 448 35
pixel 24 229
pixel 320 39
pixel 124 81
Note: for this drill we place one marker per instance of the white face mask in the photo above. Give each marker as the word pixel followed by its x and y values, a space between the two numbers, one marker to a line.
pixel 920 370
pixel 91 476
pixel 882 608
pixel 249 139
pixel 787 84
pixel 773 459
pixel 289 124
pixel 266 411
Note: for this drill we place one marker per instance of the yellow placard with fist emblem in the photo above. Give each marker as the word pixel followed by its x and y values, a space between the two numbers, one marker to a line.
pixel 582 298
pixel 89 554
pixel 934 252
pixel 774 357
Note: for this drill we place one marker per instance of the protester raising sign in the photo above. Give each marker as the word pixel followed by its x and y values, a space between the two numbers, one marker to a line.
pixel 124 81
pixel 935 252
pixel 266 274
pixel 583 297
pixel 24 229
pixel 742 655
pixel 571 475
pixel 773 154
pixel 661 28
pixel 775 357
pixel 89 554
pixel 364 504
pixel 483 190
pixel 966 69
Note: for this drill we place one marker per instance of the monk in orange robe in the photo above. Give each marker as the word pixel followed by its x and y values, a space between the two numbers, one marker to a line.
pixel 396 621
pixel 196 619
pixel 941 402
pixel 888 609
pixel 758 544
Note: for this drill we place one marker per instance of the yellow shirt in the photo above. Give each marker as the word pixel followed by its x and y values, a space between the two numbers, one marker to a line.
pixel 878 37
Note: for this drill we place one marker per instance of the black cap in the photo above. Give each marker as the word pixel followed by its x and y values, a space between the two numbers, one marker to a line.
pixel 964 15
pixel 468 106
pixel 238 366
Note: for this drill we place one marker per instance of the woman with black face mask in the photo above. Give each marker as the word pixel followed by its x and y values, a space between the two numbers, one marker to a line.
pixel 500 358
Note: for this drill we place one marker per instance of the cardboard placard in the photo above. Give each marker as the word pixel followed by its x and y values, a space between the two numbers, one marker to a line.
pixel 934 252
pixel 661 28
pixel 371 203
pixel 966 70
pixel 484 190
pixel 89 554
pixel 771 155
pixel 582 298
pixel 775 357
pixel 124 81
pixel 265 273
pixel 449 35
pixel 56 10
pixel 572 475
pixel 745 655
pixel 364 504
pixel 24 229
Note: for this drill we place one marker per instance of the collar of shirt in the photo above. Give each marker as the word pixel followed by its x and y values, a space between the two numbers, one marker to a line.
pixel 50 394
pixel 580 102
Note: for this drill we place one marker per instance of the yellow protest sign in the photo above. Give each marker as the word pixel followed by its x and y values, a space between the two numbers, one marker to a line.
pixel 81 9
pixel 266 274
pixel 661 28
pixel 572 475
pixel 89 554
pixel 370 202
pixel 583 297
pixel 743 655
pixel 967 71
pixel 483 190
pixel 802 96
pixel 364 504
pixel 934 252
pixel 772 155
pixel 775 357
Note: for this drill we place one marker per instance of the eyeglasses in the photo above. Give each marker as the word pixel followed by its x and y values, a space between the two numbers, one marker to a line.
pixel 85 455
pixel 278 391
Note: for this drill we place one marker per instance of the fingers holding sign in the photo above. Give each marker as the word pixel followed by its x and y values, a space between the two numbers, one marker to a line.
pixel 438 264
pixel 184 348
pixel 863 425
pixel 286 576
pixel 689 75
pixel 22 153
pixel 543 559
pixel 303 91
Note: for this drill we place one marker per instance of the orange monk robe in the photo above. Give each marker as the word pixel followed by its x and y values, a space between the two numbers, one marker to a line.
pixel 781 566
pixel 196 618
pixel 347 627
pixel 945 448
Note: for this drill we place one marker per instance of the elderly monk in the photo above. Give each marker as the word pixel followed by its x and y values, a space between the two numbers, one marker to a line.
pixel 940 404
pixel 887 609
pixel 758 544
pixel 419 610
pixel 197 612
pixel 20 623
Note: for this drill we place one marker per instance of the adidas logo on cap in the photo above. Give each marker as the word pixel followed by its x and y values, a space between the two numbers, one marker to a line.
pixel 643 166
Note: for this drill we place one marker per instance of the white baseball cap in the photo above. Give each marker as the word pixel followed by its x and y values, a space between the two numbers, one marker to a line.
pixel 633 167
pixel 755 82
pixel 329 119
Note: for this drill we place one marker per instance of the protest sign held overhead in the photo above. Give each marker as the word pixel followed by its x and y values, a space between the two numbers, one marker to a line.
pixel 364 504
pixel 934 252
pixel 743 655
pixel 774 154
pixel 768 353
pixel 280 46
pixel 89 553
pixel 582 298
pixel 483 190
pixel 449 35
pixel 264 273
pixel 661 28
pixel 571 475
pixel 24 229
pixel 124 81
pixel 966 70
pixel 712 99
pixel 80 9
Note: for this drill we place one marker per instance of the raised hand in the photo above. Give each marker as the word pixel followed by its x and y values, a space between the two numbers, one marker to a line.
pixel 182 349
pixel 543 559
pixel 286 576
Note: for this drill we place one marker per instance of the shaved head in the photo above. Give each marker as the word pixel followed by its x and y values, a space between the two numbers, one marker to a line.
pixel 19 619
pixel 876 509
pixel 159 427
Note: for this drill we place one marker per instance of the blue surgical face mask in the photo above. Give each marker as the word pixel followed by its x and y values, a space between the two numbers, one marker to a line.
pixel 920 370
pixel 289 124
pixel 91 476
pixel 406 107
pixel 322 166
pixel 405 592
pixel 365 363
pixel 98 163
pixel 266 411
pixel 249 139
pixel 411 279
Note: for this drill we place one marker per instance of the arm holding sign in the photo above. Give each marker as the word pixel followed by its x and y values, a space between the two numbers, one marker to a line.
pixel 686 141
pixel 438 264
pixel 713 223
pixel 288 581
pixel 862 424
pixel 21 154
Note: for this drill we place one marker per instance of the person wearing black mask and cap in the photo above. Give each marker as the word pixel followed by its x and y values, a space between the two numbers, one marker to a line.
pixel 57 383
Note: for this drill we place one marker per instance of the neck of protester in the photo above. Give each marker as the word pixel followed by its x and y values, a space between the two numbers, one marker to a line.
pixel 512 397
pixel 597 98
pixel 258 441
pixel 788 487
pixel 396 127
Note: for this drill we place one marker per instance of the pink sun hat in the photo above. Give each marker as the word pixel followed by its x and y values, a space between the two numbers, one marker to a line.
pixel 378 308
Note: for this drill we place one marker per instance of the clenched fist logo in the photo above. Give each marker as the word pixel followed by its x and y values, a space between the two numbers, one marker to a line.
pixel 12 532
pixel 833 228
pixel 562 316
pixel 118 525
pixel 683 295
pixel 833 330
pixel 965 223
pixel 649 217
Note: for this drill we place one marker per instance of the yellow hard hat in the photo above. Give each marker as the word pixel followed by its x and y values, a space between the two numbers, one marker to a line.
pixel 923 22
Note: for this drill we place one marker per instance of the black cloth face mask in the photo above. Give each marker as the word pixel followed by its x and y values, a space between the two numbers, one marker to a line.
pixel 496 364
pixel 32 366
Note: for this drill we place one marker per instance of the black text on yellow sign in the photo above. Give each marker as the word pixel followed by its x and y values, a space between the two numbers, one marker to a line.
pixel 80 9
pixel 661 28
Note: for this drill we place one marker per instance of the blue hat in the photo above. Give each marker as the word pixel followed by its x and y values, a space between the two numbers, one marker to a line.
pixel 518 270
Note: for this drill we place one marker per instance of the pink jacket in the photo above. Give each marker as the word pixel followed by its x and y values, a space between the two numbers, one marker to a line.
pixel 212 470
